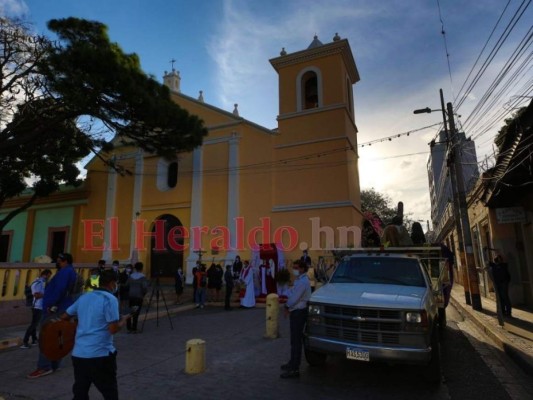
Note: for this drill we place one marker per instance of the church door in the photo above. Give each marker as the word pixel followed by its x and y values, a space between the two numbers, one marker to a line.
pixel 165 262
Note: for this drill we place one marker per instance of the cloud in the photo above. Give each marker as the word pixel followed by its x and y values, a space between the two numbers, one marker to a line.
pixel 13 8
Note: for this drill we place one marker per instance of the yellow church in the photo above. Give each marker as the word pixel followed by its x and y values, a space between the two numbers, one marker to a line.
pixel 248 190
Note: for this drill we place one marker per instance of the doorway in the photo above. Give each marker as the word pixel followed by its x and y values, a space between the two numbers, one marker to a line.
pixel 165 262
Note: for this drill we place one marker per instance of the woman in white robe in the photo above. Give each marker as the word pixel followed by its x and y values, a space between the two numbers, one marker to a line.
pixel 248 300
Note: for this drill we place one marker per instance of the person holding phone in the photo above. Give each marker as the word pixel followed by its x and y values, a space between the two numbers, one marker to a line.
pixel 94 355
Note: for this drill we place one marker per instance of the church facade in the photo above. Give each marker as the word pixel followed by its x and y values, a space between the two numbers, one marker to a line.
pixel 246 191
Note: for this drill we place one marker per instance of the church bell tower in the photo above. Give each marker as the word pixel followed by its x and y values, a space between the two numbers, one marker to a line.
pixel 316 145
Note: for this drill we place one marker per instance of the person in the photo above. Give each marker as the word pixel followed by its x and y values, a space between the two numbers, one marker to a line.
pixel 448 279
pixel 115 267
pixel 237 267
pixel 94 356
pixel 123 289
pixel 92 281
pixel 212 281
pixel 138 286
pixel 219 275
pixel 369 236
pixel 417 234
pixel 247 278
pixel 201 284
pixel 101 266
pixel 194 283
pixel 305 258
pixel 56 299
pixel 228 279
pixel 266 277
pixel 179 282
pixel 501 279
pixel 296 307
pixel 37 290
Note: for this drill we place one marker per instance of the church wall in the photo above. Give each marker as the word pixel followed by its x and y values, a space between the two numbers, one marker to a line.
pixel 215 188
pixel 317 179
pixel 256 184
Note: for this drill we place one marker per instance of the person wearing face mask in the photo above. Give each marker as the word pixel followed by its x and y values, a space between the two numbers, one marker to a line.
pixel 94 355
pixel 123 289
pixel 93 280
pixel 296 308
pixel 138 286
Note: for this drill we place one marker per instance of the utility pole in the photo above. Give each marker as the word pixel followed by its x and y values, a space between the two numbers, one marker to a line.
pixel 460 211
pixel 450 163
pixel 463 222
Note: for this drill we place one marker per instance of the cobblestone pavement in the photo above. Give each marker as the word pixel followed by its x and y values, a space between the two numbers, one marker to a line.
pixel 241 364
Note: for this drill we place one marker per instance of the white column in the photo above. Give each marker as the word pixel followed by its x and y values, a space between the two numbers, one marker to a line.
pixel 196 206
pixel 111 195
pixel 233 193
pixel 137 196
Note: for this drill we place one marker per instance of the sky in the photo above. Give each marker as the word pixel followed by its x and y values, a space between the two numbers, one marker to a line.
pixel 222 47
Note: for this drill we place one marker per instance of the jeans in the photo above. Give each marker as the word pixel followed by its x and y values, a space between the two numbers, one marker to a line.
pixel 503 293
pixel 102 371
pixel 36 315
pixel 298 318
pixel 200 296
pixel 227 299
pixel 43 362
pixel 131 323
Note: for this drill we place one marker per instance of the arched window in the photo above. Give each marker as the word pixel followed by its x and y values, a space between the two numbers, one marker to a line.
pixel 310 90
pixel 172 177
pixel 167 174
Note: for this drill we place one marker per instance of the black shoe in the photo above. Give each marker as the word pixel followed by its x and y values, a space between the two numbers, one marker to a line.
pixel 290 374
pixel 286 367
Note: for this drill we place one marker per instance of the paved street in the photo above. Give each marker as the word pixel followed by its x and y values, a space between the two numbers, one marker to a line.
pixel 242 364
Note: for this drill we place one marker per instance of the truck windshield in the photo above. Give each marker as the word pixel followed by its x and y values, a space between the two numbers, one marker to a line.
pixel 380 270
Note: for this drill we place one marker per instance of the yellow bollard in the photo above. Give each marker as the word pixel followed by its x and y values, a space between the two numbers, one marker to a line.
pixel 272 315
pixel 195 356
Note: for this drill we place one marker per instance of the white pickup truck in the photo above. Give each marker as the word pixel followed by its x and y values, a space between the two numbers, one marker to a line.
pixel 380 305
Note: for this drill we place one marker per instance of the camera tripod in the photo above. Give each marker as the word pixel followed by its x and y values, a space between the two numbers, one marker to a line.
pixel 156 289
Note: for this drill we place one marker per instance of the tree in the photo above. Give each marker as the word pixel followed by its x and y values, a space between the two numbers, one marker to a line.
pixel 63 99
pixel 378 203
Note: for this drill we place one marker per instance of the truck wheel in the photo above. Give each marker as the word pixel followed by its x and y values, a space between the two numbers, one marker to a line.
pixel 315 359
pixel 442 318
pixel 432 372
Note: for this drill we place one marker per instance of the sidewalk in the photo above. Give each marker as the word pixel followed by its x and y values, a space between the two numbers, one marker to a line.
pixel 515 338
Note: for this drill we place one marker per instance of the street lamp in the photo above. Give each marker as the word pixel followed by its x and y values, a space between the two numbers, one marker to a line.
pixel 462 224
pixel 424 110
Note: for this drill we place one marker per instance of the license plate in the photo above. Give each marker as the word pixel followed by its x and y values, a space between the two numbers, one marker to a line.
pixel 359 355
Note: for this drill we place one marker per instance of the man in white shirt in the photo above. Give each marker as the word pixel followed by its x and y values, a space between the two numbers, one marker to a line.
pixel 37 290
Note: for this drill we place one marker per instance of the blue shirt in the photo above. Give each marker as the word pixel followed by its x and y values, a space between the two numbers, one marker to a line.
pixel 56 291
pixel 300 293
pixel 95 311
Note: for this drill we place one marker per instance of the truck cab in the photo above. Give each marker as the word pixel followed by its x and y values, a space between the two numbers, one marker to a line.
pixel 379 306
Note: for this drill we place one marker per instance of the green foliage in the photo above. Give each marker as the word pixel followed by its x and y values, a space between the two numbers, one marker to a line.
pixel 61 100
pixel 378 203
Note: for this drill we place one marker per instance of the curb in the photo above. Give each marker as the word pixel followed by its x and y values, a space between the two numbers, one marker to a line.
pixel 523 360
pixel 10 343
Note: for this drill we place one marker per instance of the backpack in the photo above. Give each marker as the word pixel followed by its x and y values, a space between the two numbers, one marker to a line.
pixel 28 294
pixel 203 281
